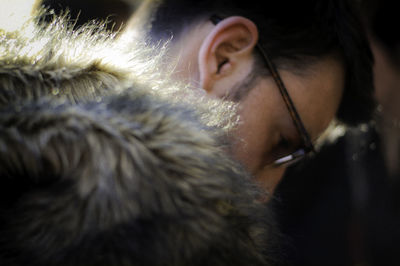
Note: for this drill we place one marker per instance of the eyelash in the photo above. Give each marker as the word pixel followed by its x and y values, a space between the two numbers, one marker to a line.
pixel 284 143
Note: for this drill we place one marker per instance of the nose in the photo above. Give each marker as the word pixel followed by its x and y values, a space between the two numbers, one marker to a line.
pixel 269 178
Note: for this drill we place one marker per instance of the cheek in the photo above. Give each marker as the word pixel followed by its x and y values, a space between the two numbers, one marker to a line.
pixel 268 179
pixel 254 136
pixel 251 152
pixel 250 146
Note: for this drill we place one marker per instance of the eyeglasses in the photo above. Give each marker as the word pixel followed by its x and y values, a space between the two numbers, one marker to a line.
pixel 308 146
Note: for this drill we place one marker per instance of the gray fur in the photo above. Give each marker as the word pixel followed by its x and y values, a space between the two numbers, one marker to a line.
pixel 97 168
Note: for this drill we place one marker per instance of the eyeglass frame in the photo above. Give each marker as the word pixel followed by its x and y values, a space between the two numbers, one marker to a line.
pixel 308 145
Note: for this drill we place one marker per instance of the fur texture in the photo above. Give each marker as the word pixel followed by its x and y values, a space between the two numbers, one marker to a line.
pixel 101 166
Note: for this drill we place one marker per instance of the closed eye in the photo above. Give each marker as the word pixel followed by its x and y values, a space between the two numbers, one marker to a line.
pixel 284 143
pixel 282 148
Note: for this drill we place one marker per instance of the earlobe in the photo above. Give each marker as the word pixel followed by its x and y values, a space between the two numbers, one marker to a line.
pixel 225 51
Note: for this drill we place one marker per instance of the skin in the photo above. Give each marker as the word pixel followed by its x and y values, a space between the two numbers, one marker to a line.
pixel 219 57
pixel 266 120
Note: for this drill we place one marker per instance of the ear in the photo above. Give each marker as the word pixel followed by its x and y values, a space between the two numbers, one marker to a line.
pixel 225 53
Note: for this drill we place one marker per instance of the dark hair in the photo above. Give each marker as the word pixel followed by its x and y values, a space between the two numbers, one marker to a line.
pixel 294 31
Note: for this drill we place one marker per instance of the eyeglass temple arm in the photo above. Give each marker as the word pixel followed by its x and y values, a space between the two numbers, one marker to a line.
pixel 282 89
pixel 288 101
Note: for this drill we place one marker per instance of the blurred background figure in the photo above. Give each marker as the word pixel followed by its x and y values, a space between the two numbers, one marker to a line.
pixel 380 17
pixel 343 208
